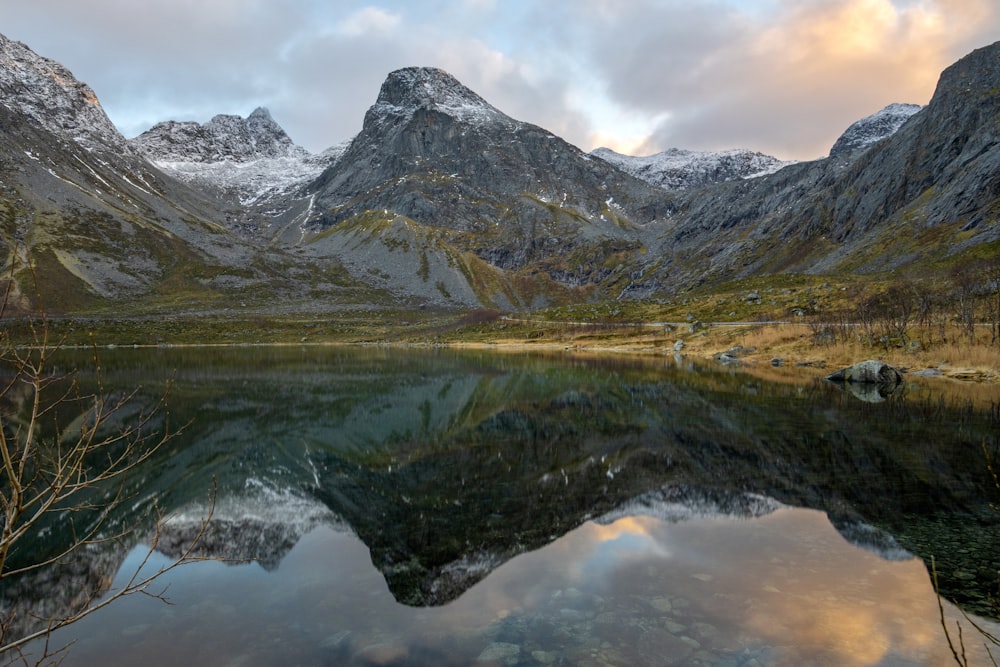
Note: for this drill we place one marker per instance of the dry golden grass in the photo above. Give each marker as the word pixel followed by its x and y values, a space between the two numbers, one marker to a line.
pixel 795 344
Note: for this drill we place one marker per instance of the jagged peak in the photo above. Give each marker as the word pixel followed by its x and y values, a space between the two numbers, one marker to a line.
pixel 226 137
pixel 426 86
pixel 260 113
pixel 409 89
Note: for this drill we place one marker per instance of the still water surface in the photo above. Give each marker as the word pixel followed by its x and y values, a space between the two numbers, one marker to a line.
pixel 438 508
pixel 785 589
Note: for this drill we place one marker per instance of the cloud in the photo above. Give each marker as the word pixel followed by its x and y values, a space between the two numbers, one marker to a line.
pixel 336 78
pixel 316 65
pixel 787 82
pixel 783 77
pixel 184 59
pixel 369 20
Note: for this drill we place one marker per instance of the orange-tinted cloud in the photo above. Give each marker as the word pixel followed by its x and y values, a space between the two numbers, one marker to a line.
pixel 793 83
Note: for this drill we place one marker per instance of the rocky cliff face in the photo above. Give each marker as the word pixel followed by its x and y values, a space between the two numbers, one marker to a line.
pixel 871 129
pixel 49 94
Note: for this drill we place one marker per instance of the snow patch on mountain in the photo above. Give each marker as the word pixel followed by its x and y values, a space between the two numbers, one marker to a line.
pixel 871 129
pixel 252 158
pixel 678 169
pixel 255 181
pixel 49 94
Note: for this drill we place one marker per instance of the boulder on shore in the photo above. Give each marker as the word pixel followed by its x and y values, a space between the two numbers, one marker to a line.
pixel 868 372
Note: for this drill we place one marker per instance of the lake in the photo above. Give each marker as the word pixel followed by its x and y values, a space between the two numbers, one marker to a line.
pixel 385 506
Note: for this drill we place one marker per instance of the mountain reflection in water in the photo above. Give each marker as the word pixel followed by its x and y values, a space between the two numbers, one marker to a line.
pixel 522 509
pixel 784 589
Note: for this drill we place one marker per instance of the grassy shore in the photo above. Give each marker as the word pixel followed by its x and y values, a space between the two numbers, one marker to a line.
pixel 780 344
pixel 785 344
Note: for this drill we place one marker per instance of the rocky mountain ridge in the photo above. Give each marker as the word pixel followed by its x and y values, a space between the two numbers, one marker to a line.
pixel 224 138
pixel 924 195
pixel 679 169
pixel 252 159
pixel 443 200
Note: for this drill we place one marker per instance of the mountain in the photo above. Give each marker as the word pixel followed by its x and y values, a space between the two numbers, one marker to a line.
pixel 427 126
pixel 678 169
pixel 252 159
pixel 443 196
pixel 870 129
pixel 920 197
pixel 444 201
pixel 98 223
pixel 49 94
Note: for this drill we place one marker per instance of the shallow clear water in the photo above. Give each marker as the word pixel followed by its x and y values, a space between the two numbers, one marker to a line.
pixel 414 508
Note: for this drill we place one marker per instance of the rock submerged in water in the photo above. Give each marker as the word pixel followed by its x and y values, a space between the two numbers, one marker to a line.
pixel 870 381
pixel 868 372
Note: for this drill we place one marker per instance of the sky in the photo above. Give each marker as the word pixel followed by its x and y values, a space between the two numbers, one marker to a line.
pixel 785 77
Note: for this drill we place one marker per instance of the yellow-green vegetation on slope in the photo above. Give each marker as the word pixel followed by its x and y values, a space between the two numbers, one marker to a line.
pixel 951 324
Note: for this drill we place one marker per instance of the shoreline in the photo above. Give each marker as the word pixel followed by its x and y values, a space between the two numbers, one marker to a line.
pixel 751 346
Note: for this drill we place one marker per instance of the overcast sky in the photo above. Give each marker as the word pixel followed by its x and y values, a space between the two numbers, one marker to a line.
pixel 785 77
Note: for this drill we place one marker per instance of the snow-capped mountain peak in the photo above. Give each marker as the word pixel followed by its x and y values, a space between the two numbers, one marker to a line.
pixel 410 89
pixel 252 157
pixel 224 138
pixel 679 169
pixel 873 128
pixel 48 93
